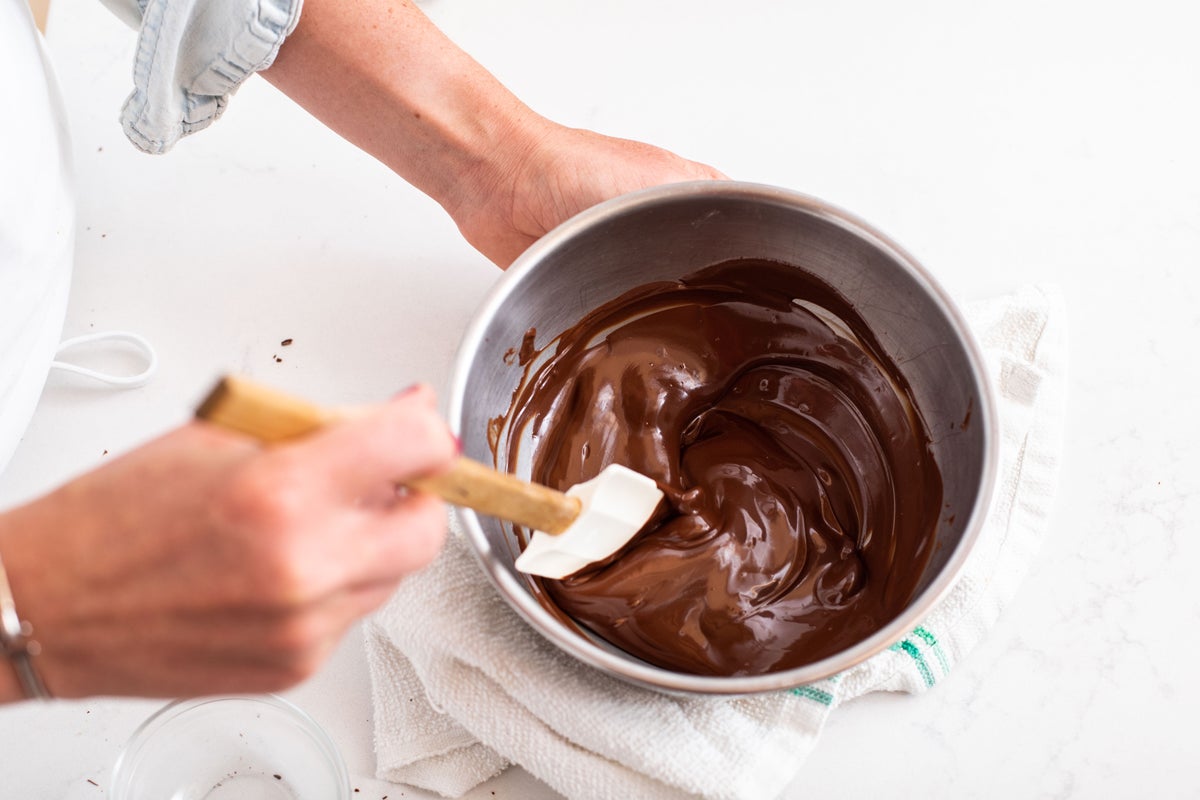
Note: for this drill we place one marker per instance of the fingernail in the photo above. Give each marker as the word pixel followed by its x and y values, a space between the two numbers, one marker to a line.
pixel 458 445
pixel 406 390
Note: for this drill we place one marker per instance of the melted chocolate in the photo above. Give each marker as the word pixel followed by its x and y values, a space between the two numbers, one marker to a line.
pixel 803 497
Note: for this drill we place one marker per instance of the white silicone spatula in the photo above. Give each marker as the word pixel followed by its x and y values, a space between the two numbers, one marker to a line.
pixel 588 523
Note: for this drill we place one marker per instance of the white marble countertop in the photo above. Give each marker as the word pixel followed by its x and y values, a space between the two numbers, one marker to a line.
pixel 1027 142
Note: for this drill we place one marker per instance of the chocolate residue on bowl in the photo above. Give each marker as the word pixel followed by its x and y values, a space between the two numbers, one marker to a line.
pixel 803 495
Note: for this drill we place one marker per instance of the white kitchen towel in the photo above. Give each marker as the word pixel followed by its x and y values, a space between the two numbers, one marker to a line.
pixel 463 687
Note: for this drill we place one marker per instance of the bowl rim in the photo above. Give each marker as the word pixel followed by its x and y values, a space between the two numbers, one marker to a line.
pixel 627 667
pixel 124 768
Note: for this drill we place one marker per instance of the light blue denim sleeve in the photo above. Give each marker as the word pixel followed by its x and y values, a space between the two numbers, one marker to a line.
pixel 192 55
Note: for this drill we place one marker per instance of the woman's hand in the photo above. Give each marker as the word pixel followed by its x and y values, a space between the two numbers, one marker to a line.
pixel 204 563
pixel 563 171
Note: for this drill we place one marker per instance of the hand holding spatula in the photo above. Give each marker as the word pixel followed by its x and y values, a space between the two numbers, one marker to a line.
pixel 588 523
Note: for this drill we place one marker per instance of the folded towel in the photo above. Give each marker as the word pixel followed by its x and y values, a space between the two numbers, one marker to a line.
pixel 463 687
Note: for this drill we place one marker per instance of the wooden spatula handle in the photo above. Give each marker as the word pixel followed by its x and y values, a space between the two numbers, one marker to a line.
pixel 272 416
pixel 261 412
pixel 474 485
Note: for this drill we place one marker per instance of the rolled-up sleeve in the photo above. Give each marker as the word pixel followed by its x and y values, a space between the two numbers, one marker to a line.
pixel 192 55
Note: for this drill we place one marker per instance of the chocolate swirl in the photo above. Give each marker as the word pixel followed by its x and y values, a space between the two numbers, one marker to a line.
pixel 803 497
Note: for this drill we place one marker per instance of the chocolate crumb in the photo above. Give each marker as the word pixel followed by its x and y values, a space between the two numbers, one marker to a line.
pixel 528 349
pixel 278 360
pixel 92 782
pixel 277 777
pixel 285 343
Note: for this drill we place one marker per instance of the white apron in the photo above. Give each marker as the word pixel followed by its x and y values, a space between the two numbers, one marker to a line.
pixel 37 221
pixel 191 58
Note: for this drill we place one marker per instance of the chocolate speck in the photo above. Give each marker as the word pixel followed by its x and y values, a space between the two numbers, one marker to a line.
pixel 528 350
pixel 277 777
pixel 494 428
pixel 285 343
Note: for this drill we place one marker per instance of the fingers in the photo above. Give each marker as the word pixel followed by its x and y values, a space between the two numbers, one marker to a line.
pixel 406 538
pixel 324 511
pixel 362 458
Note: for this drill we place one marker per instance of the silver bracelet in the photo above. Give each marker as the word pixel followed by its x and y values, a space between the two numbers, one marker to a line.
pixel 16 643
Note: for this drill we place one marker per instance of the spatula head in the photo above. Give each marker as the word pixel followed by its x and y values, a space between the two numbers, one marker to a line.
pixel 616 504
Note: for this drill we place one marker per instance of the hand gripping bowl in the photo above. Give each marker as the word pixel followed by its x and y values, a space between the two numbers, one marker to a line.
pixel 665 233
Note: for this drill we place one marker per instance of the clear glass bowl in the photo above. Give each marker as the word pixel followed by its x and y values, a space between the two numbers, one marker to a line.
pixel 220 748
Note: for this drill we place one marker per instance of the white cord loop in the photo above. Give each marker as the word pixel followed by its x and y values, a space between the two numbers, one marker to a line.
pixel 123 381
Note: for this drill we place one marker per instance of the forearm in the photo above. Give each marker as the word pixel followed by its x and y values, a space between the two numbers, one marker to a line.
pixel 380 74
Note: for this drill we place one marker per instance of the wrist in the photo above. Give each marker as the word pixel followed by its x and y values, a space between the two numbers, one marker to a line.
pixel 10 687
pixel 20 676
pixel 11 690
pixel 485 170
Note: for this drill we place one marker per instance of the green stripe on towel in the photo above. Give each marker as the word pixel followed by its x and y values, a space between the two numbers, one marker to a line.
pixel 931 640
pixel 906 646
pixel 813 693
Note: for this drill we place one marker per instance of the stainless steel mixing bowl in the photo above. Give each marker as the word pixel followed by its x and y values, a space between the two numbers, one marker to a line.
pixel 665 233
